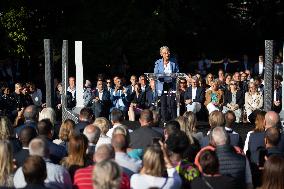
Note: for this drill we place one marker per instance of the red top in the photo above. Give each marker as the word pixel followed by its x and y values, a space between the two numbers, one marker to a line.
pixel 83 179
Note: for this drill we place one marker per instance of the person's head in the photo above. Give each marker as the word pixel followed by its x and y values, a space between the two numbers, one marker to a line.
pixel 77 147
pixel 152 84
pixel 248 74
pixel 216 118
pixel 233 86
pixel 277 60
pixel 133 80
pixel 104 152
pixel 26 135
pixel 260 121
pixel 215 85
pixel 47 113
pixel 31 113
pixel 108 83
pixel 44 128
pixel 6 161
pixel 165 53
pixel 221 74
pixel 100 85
pixel 92 133
pixel 18 88
pixel 192 121
pixel 6 130
pixel 219 136
pixel 118 82
pixel 209 162
pixel 146 117
pixel 273 173
pixel 271 119
pixel 119 142
pixel 194 81
pixel 182 83
pixel 209 79
pixel 260 58
pixel 178 143
pixel 72 82
pixel 142 80
pixel 107 175
pixel 153 161
pixel 252 87
pixel 228 79
pixel 243 76
pixel 272 137
pixel 34 170
pixel 38 146
pixel 184 126
pixel 67 129
pixel 59 87
pixel 116 116
pixel 237 77
pixel 170 128
pixel 103 124
pixel 230 118
pixel 137 88
pixel 86 114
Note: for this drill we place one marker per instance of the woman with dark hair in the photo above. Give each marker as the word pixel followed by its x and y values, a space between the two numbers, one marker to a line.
pixel 138 102
pixel 211 177
pixel 273 173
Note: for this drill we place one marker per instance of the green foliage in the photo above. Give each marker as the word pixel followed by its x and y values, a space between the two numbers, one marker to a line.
pixel 13 22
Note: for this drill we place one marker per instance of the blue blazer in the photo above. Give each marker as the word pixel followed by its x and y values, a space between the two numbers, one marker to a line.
pixel 159 66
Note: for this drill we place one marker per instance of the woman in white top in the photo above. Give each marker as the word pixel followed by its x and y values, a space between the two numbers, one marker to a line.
pixel 104 126
pixel 155 162
pixel 253 99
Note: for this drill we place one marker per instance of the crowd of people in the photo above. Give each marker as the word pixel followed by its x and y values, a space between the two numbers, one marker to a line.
pixel 106 150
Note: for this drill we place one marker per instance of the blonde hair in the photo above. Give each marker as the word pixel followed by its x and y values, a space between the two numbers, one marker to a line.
pixel 153 162
pixel 207 82
pixel 216 118
pixel 107 175
pixel 5 128
pixel 6 163
pixel 103 124
pixel 184 126
pixel 67 129
pixel 47 113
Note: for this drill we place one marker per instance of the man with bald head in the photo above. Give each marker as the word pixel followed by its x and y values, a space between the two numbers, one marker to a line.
pixel 272 119
pixel 93 134
pixel 83 177
pixel 129 165
pixel 31 116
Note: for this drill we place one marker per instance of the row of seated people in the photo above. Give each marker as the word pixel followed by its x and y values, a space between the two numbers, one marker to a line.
pixel 139 152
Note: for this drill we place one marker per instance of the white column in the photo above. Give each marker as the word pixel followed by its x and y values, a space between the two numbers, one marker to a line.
pixel 79 75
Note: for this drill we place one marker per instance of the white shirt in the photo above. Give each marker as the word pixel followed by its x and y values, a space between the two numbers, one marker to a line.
pixel 194 93
pixel 72 91
pixel 168 68
pixel 127 162
pixel 260 68
pixel 109 133
pixel 100 95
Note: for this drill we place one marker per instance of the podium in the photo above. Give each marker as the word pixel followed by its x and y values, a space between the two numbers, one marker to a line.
pixel 171 80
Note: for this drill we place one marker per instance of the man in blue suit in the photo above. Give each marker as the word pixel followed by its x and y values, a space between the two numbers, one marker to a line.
pixel 101 102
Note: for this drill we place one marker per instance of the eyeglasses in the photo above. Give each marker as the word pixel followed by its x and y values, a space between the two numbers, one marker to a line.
pixel 108 82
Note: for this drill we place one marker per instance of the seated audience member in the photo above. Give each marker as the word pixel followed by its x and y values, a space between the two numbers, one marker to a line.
pixel 31 117
pixel 214 97
pixel 191 127
pixel 177 146
pixel 57 176
pixel 235 138
pixel 34 170
pixel 93 134
pixel 131 87
pixel 155 162
pixel 228 79
pixel 56 152
pixel 6 164
pixel 230 162
pixel 129 165
pixel 101 102
pixel 273 173
pixel 107 174
pixel 209 80
pixel 77 157
pixel 277 94
pixel 138 102
pixel 194 96
pixel 103 124
pixel 259 84
pixel 233 101
pixel 26 135
pixel 6 133
pixel 146 121
pixel 182 89
pixel 151 96
pixel 67 129
pixel 83 178
pixel 85 118
pixel 253 99
pixel 211 177
pixel 170 128
pixel 118 97
pixel 116 118
pixel 143 82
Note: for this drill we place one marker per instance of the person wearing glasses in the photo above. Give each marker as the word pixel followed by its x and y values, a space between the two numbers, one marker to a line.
pixel 214 98
pixel 234 100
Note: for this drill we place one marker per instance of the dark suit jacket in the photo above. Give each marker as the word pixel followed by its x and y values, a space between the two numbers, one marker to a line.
pixel 239 98
pixel 235 140
pixel 21 157
pixel 150 98
pixel 142 137
pixel 256 69
pixel 200 94
pixel 56 152
pixel 80 126
pixel 103 106
pixel 139 100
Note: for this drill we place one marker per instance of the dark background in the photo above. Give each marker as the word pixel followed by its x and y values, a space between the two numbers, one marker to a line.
pixel 130 32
